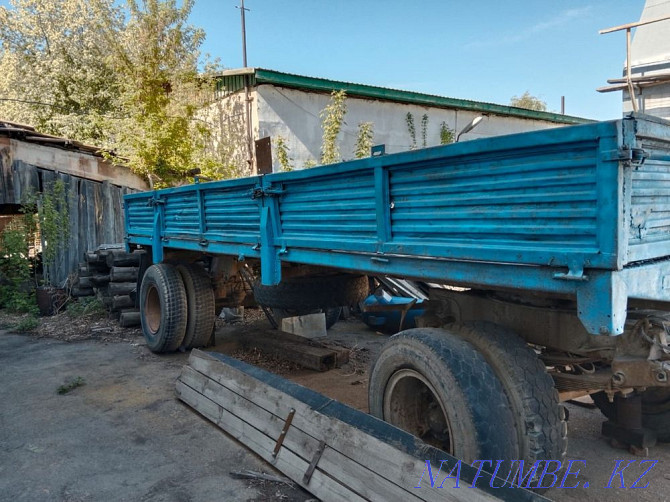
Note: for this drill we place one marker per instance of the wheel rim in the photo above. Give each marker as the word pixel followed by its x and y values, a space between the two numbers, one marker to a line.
pixel 152 309
pixel 411 403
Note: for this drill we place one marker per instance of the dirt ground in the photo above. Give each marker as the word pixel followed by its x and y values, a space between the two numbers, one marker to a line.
pixel 123 435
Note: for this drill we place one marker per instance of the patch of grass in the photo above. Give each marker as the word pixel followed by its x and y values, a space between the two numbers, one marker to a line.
pixel 71 385
pixel 85 306
pixel 27 324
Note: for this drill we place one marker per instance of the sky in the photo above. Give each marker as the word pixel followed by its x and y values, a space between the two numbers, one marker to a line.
pixel 482 50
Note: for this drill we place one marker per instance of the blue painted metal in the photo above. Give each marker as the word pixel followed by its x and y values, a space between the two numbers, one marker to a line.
pixel 581 210
pixel 389 321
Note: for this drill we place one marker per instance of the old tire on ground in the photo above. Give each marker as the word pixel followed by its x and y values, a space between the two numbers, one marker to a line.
pixel 314 292
pixel 163 308
pixel 332 314
pixel 200 314
pixel 436 386
pixel 538 415
pixel 655 410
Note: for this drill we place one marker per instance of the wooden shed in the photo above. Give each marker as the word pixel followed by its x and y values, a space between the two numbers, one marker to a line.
pixel 30 161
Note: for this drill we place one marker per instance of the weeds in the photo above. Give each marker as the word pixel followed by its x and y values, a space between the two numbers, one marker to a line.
pixel 84 307
pixel 71 385
pixel 27 324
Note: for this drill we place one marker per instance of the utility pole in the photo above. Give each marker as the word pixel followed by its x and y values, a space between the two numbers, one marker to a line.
pixel 247 94
pixel 244 34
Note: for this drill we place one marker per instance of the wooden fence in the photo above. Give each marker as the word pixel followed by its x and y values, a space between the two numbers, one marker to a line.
pixel 95 207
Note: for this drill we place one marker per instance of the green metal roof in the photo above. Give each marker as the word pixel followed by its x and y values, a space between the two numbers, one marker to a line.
pixel 231 82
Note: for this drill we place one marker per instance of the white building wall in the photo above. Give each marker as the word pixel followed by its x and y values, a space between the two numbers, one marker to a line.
pixel 650 55
pixel 294 115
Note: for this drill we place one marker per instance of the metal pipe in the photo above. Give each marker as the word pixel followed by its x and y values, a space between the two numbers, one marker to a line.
pixel 631 90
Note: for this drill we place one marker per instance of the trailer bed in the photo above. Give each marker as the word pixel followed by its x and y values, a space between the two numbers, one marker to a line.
pixel 582 211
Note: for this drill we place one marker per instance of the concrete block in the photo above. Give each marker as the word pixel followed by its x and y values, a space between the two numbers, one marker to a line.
pixel 307 326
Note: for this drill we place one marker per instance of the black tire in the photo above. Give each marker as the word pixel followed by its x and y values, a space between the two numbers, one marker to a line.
pixel 163 308
pixel 200 315
pixel 655 410
pixel 539 417
pixel 304 293
pixel 332 314
pixel 436 386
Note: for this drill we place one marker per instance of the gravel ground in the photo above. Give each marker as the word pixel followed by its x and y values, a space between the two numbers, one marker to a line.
pixel 122 435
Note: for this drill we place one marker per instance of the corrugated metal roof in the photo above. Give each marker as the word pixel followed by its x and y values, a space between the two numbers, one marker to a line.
pixel 233 81
pixel 31 135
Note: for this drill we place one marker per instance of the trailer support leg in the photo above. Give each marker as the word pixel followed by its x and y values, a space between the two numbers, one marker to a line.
pixel 627 431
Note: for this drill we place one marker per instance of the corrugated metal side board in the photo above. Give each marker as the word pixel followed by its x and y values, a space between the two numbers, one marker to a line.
pixel 546 198
pixel 331 211
pixel 649 232
pixel 231 215
pixel 549 197
pixel 543 202
pixel 207 214
pixel 139 215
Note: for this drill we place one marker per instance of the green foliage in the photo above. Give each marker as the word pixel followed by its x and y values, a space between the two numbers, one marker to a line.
pixel 526 100
pixel 124 77
pixel 70 385
pixel 409 120
pixel 15 269
pixel 85 306
pixel 364 140
pixel 54 223
pixel 282 154
pixel 27 324
pixel 332 118
pixel 424 129
pixel 14 264
pixel 447 135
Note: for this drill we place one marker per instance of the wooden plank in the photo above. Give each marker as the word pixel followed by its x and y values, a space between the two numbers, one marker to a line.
pixel 287 462
pixel 307 356
pixel 108 216
pixel 6 174
pixel 359 478
pixel 75 163
pixel 391 453
pixel 248 334
pixel 349 443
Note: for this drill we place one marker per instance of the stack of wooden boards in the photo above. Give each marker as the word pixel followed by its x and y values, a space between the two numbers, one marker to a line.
pixel 111 273
pixel 331 450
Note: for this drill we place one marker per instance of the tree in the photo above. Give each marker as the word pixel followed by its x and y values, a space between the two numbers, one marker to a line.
pixel 332 118
pixel 446 134
pixel 125 78
pixel 364 140
pixel 53 70
pixel 526 100
pixel 281 148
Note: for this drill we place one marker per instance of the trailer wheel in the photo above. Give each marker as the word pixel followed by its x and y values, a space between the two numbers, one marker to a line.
pixel 332 314
pixel 200 315
pixel 539 418
pixel 436 386
pixel 162 308
pixel 655 410
pixel 313 292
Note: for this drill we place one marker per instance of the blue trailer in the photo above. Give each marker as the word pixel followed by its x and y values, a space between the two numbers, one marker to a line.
pixel 552 249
